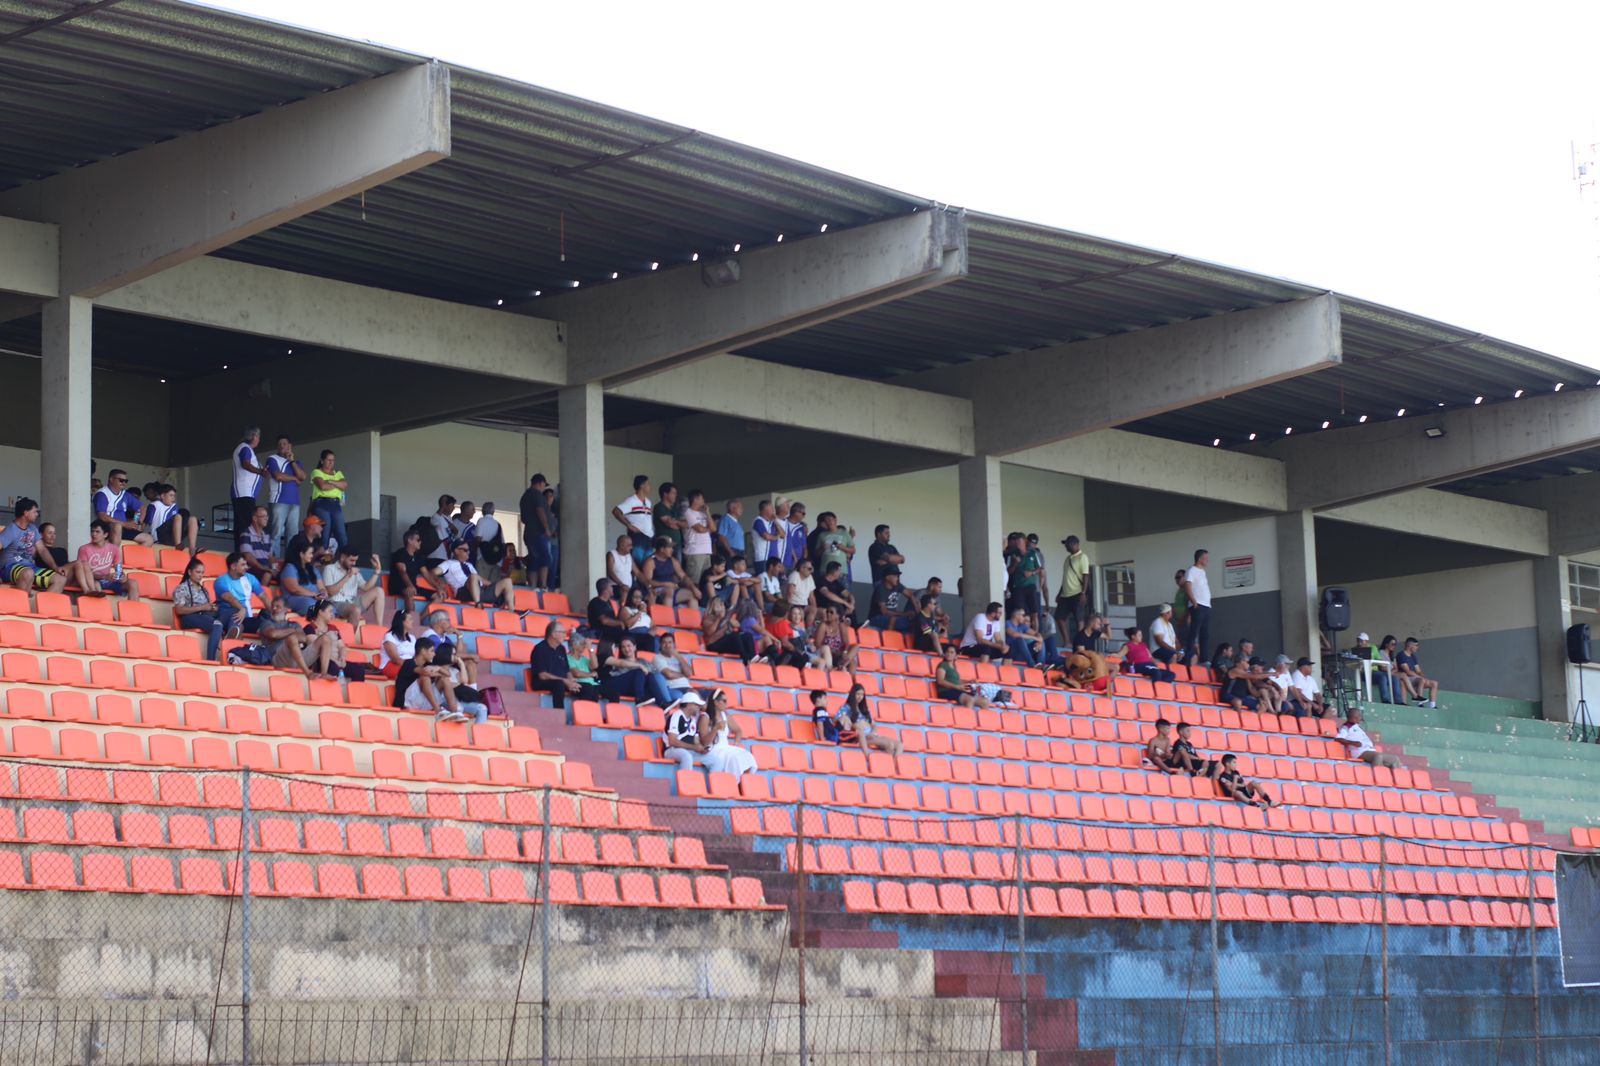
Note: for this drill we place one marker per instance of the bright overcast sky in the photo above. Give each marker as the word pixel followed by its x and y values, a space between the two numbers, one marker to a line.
pixel 1416 154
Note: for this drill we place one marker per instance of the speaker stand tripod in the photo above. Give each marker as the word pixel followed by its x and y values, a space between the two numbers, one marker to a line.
pixel 1578 728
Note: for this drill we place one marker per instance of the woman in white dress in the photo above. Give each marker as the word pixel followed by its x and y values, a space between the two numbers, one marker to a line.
pixel 715 723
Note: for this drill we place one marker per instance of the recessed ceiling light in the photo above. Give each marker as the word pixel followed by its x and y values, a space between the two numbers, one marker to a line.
pixel 780 238
pixel 1287 430
pixel 1326 423
pixel 1252 436
pixel 224 366
pixel 499 303
pixel 1560 385
pixel 824 229
pixel 163 381
pixel 655 266
pixel 1400 413
pixel 1216 442
pixel 695 258
pixel 537 292
pixel 615 275
pixel 736 247
pixel 1363 418
pixel 1477 401
pixel 1517 395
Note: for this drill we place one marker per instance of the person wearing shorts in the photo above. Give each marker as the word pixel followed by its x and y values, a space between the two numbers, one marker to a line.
pixel 20 565
pixel 167 523
pixel 97 562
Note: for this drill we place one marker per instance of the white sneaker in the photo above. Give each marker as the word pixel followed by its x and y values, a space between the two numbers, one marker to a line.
pixel 1433 704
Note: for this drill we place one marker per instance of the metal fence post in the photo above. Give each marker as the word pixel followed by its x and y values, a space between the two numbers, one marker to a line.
pixel 544 933
pixel 1383 909
pixel 1533 958
pixel 1022 942
pixel 244 918
pixel 800 919
pixel 1216 967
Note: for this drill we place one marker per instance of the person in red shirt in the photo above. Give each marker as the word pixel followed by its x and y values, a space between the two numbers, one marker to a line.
pixel 1136 658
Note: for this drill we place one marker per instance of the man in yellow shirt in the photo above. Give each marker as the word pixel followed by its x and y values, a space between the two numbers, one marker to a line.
pixel 328 487
pixel 1073 597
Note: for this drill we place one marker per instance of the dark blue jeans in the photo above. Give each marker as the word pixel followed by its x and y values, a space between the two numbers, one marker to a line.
pixel 1021 651
pixel 332 514
pixel 1199 635
pixel 206 622
pixel 900 624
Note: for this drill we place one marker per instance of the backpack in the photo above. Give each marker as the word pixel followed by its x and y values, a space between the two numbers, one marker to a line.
pixel 493 549
pixel 430 537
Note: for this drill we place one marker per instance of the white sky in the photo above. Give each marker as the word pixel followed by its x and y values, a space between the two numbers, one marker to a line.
pixel 1417 154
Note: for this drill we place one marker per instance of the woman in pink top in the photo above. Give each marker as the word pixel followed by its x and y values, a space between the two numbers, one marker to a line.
pixel 97 565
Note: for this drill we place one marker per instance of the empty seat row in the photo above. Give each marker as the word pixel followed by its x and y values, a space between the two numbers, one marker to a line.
pixel 15 602
pixel 117 675
pixel 921 897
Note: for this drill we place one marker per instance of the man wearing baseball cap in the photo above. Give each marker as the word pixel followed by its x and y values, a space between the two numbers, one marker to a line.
pixel 1073 596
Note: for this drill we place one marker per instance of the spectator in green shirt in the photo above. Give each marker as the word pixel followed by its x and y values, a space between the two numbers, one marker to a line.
pixel 668 517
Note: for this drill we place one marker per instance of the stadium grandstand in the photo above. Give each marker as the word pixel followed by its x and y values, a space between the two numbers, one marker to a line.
pixel 268 294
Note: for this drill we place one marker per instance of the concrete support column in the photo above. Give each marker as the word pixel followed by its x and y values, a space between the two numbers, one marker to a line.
pixel 1552 606
pixel 1297 580
pixel 581 409
pixel 64 445
pixel 362 461
pixel 982 573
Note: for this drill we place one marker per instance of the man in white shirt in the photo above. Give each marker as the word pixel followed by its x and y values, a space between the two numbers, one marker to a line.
pixel 636 515
pixel 1308 688
pixel 1163 637
pixel 803 590
pixel 1197 586
pixel 984 638
pixel 350 596
pixel 621 568
pixel 444 528
pixel 766 536
pixel 491 545
pixel 1359 745
pixel 247 471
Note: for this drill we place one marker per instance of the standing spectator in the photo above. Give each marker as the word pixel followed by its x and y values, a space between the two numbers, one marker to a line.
pixel 20 564
pixel 96 568
pixel 795 536
pixel 621 568
pixel 624 676
pixel 696 537
pixel 1073 597
pixel 766 538
pixel 399 643
pixel 984 638
pixel 891 607
pixel 835 543
pixel 491 544
pixel 669 585
pixel 802 590
pixel 1164 637
pixel 1180 612
pixel 444 529
pixel 285 475
pixel 538 526
pixel 247 471
pixel 329 487
pixel 1358 745
pixel 881 554
pixel 119 509
pixel 192 607
pixel 349 594
pixel 1024 565
pixel 1422 689
pixel 1023 645
pixel 1136 658
pixel 673 668
pixel 1197 590
pixel 297 579
pixel 720 633
pixel 552 503
pixel 668 517
pixel 235 590
pixel 465 527
pixel 730 534
pixel 256 544
pixel 637 518
pixel 167 523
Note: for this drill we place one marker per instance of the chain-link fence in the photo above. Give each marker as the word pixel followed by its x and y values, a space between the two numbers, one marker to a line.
pixel 238 917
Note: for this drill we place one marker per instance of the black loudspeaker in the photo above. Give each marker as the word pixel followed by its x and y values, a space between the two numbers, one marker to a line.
pixel 1578 644
pixel 1335 609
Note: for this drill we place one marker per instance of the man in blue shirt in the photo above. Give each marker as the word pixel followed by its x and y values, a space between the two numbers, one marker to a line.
pixel 1424 690
pixel 795 543
pixel 285 475
pixel 20 564
pixel 232 591
pixel 730 534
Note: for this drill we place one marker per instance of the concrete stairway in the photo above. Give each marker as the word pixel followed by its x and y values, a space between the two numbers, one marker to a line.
pixel 1499 749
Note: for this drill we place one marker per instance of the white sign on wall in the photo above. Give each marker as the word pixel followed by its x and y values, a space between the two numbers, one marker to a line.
pixel 1239 572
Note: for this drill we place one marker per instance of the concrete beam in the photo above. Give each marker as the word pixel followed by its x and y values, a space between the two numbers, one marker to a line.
pixel 1143 461
pixel 784 396
pixel 30 258
pixel 1572 504
pixel 633 328
pixel 131 216
pixel 1033 398
pixel 1343 466
pixel 1453 517
pixel 302 309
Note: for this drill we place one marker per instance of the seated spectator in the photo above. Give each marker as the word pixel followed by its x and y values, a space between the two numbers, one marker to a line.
pixel 748 584
pixel 794 645
pixel 327 649
pixel 1421 689
pixel 717 584
pixel 802 590
pixel 461 578
pixel 673 668
pixel 1091 631
pixel 636 620
pixel 192 607
pixel 941 616
pixel 770 593
pixel 552 670
pixel 949 685
pixel 256 543
pixel 723 755
pixel 1164 637
pixel 406 566
pixel 669 585
pixel 167 523
pixel 1158 749
pixel 285 641
pixel 1023 646
pixel 58 554
pixel 926 635
pixel 234 591
pixel 696 537
pixel 1282 675
pixel 350 595
pixel 602 615
pixel 834 641
pixel 681 740
pixel 1238 686
pixel 399 643
pixel 297 580
pixel 1308 688
pixel 312 532
pixel 620 567
pixel 1191 761
pixel 1221 663
pixel 440 626
pixel 1236 786
pixel 1259 679
pixel 624 676
pixel 22 557
pixel 98 564
pixel 582 665
pixel 1385 674
pixel 1087 670
pixel 1136 658
pixel 1359 745
pixel 891 607
pixel 984 638
pixel 119 509
pixel 835 591
pixel 753 623
pixel 422 686
pixel 720 633
pixel 855 717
